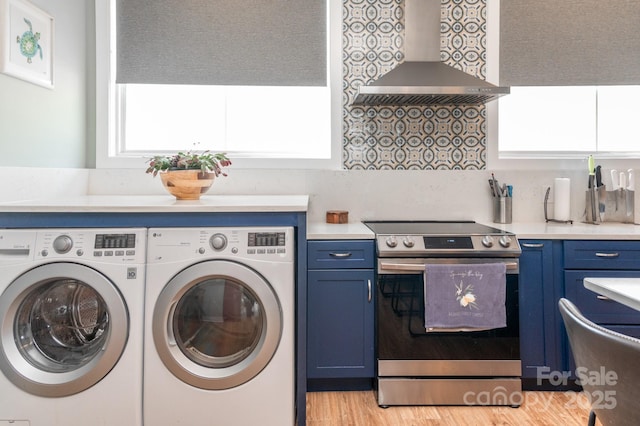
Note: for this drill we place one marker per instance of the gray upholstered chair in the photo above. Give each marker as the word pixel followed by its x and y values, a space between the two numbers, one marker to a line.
pixel 615 400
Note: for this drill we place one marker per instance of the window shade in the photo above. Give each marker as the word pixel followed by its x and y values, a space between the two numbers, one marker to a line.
pixel 569 42
pixel 222 42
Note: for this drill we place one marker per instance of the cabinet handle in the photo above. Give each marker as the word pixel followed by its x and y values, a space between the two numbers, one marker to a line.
pixel 533 245
pixel 341 255
pixel 369 290
pixel 607 254
pixel 601 297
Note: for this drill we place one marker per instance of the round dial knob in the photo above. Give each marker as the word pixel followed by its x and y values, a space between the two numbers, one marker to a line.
pixel 391 242
pixel 487 241
pixel 62 244
pixel 218 241
pixel 408 242
pixel 505 241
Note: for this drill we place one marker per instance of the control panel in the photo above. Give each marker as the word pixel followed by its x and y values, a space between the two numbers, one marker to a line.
pixel 263 243
pixel 122 245
pixel 468 245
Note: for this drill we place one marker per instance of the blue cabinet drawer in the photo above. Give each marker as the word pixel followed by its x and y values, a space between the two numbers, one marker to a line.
pixel 595 307
pixel 337 254
pixel 602 254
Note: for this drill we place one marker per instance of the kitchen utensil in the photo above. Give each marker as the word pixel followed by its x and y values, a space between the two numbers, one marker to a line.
pixel 598 176
pixel 493 188
pixel 631 185
pixel 625 195
pixel 615 184
pixel 623 181
pixel 615 179
pixel 602 192
pixel 592 188
pixel 622 189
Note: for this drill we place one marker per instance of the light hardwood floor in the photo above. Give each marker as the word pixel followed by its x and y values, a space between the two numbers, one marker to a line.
pixel 360 409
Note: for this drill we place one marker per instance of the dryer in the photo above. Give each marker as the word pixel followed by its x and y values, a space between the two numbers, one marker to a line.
pixel 219 321
pixel 71 324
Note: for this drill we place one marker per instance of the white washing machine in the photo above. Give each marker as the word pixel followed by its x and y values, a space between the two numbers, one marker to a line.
pixel 219 321
pixel 71 324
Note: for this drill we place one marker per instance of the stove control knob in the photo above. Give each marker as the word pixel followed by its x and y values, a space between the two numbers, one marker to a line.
pixel 218 241
pixel 408 242
pixel 487 241
pixel 505 241
pixel 391 242
pixel 62 244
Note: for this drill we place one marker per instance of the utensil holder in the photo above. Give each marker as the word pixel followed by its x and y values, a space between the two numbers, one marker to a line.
pixel 609 206
pixel 502 209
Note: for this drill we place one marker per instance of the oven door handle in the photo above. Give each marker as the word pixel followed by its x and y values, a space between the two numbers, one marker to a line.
pixel 420 267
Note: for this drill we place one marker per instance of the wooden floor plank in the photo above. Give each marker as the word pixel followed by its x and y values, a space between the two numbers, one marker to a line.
pixel 359 408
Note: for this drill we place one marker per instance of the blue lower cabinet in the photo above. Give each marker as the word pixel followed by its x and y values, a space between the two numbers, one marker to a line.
pixel 340 321
pixel 340 315
pixel 540 288
pixel 600 259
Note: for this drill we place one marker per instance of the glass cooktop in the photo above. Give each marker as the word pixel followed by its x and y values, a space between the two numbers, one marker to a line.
pixel 432 228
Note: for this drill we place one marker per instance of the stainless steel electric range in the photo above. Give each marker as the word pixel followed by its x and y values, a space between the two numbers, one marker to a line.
pixel 419 367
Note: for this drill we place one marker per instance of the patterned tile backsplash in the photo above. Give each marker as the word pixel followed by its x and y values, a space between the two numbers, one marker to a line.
pixel 410 137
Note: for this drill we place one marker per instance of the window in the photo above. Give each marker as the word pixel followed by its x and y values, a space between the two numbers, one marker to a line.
pixel 258 126
pixel 572 68
pixel 569 121
pixel 249 122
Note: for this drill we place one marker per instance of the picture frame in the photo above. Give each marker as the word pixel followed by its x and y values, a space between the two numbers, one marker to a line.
pixel 26 42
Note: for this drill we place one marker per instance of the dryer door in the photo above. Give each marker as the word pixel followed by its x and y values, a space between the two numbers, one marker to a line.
pixel 217 324
pixel 63 328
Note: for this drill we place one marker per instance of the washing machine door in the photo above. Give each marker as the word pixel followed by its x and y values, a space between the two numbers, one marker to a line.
pixel 63 327
pixel 217 324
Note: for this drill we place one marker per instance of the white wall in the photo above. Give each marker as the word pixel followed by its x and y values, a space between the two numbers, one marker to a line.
pixel 40 127
pixel 33 183
pixel 384 194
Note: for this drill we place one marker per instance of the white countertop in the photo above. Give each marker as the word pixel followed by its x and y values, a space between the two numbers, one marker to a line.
pixel 623 290
pixel 575 231
pixel 161 204
pixel 339 231
pixel 295 203
pixel 549 231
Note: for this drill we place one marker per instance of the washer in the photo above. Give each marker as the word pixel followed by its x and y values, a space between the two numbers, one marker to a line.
pixel 71 324
pixel 219 321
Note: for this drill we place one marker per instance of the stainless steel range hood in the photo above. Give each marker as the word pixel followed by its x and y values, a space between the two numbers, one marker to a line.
pixel 423 79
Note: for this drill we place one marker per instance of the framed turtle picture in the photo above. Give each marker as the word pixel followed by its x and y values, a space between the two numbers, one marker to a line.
pixel 26 42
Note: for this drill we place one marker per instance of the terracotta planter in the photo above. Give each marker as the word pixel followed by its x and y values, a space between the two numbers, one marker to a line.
pixel 187 184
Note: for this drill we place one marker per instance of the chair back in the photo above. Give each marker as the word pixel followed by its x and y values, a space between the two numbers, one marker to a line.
pixel 607 367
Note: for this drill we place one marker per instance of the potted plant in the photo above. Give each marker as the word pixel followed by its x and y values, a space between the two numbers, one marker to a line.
pixel 187 175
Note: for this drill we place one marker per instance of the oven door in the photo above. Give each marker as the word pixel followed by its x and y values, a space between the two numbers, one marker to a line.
pixel 406 349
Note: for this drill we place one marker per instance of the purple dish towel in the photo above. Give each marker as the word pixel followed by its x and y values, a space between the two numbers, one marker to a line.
pixel 464 297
